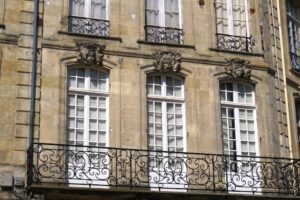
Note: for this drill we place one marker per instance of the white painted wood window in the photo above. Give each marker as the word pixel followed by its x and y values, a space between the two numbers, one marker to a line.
pixel 166 119
pixel 166 129
pixel 87 109
pixel 233 17
pixel 94 9
pixel 238 113
pixel 297 109
pixel 163 13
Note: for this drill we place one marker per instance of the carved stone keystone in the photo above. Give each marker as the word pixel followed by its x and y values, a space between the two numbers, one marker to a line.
pixel 166 61
pixel 90 53
pixel 238 68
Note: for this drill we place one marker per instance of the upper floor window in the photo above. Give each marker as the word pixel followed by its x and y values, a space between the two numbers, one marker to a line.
pixel 233 21
pixel 293 17
pixel 89 17
pixel 163 21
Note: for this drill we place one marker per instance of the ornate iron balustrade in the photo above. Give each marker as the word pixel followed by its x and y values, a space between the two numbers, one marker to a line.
pixel 164 34
pixel 89 26
pixel 234 43
pixel 158 170
pixel 295 61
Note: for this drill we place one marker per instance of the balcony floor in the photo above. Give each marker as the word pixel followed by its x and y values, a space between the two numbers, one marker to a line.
pixel 54 192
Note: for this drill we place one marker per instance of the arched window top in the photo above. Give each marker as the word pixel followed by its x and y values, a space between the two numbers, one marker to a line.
pixel 88 79
pixel 237 92
pixel 165 86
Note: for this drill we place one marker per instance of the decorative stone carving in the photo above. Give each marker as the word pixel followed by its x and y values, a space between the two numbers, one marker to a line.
pixel 165 61
pixel 90 54
pixel 238 68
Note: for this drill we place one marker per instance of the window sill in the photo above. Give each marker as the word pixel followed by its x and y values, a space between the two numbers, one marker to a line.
pixel 237 52
pixel 91 36
pixel 295 72
pixel 167 44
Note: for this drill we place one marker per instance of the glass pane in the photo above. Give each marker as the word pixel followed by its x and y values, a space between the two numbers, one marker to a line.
pixel 80 112
pixel 158 107
pixel 179 141
pixel 244 146
pixel 251 125
pixel 178 92
pixel 80 101
pixel 102 85
pixel 79 135
pixel 232 134
pixel 171 141
pixel 178 119
pixel 80 83
pixel 93 102
pixel 102 125
pixel 171 119
pixel 158 129
pixel 93 124
pixel 79 123
pixel 151 139
pixel 171 130
pixel 72 82
pixel 230 112
pixel 232 145
pixel 102 102
pixel 71 111
pixel 252 146
pixel 93 113
pixel 150 118
pixel 158 118
pixel 157 90
pixel 150 128
pixel 169 91
pixel 102 114
pixel 93 136
pixel 179 130
pixel 243 125
pixel 222 95
pixel 242 114
pixel 102 137
pixel 251 136
pixel 178 108
pixel 71 122
pixel 159 140
pixel 244 136
pixel 71 134
pixel 93 84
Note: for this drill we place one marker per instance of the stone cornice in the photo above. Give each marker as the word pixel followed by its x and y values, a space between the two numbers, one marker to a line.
pixel 9 39
pixel 200 59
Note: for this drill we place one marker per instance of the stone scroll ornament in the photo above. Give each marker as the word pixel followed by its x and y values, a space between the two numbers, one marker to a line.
pixel 165 61
pixel 237 68
pixel 90 54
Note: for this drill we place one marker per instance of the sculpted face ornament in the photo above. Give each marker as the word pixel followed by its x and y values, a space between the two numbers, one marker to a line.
pixel 167 61
pixel 90 54
pixel 238 68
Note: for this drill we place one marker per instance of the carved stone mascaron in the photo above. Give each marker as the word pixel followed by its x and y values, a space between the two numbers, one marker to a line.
pixel 238 68
pixel 165 61
pixel 90 53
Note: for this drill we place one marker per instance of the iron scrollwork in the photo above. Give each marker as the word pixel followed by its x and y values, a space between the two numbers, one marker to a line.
pixel 133 168
pixel 90 53
pixel 234 42
pixel 164 35
pixel 88 26
pixel 237 68
pixel 295 62
pixel 165 61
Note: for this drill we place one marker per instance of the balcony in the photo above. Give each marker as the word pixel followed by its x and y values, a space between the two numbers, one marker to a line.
pixel 133 169
pixel 163 35
pixel 234 43
pixel 82 25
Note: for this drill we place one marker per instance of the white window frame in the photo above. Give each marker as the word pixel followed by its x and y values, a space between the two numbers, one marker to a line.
pixel 161 14
pixel 164 99
pixel 87 93
pixel 87 10
pixel 239 158
pixel 236 105
pixel 230 17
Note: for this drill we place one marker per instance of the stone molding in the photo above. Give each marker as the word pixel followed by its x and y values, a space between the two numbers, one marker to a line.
pixel 167 61
pixel 90 53
pixel 238 68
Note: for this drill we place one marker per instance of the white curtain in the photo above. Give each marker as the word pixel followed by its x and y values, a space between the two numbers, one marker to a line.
pixel 232 17
pixel 152 12
pixel 77 8
pixel 98 9
pixel 172 13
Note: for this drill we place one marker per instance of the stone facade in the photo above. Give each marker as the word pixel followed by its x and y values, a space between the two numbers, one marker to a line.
pixel 129 58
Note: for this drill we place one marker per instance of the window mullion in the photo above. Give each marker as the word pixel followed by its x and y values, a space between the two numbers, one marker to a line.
pixel 165 126
pixel 247 18
pixel 161 13
pixel 237 131
pixel 230 17
pixel 86 120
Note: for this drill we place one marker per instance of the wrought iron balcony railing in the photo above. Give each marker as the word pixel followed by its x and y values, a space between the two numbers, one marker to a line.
pixel 163 34
pixel 88 26
pixel 295 61
pixel 158 170
pixel 234 43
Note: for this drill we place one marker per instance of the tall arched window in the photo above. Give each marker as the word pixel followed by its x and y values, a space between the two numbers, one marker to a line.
pixel 166 113
pixel 238 113
pixel 87 107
